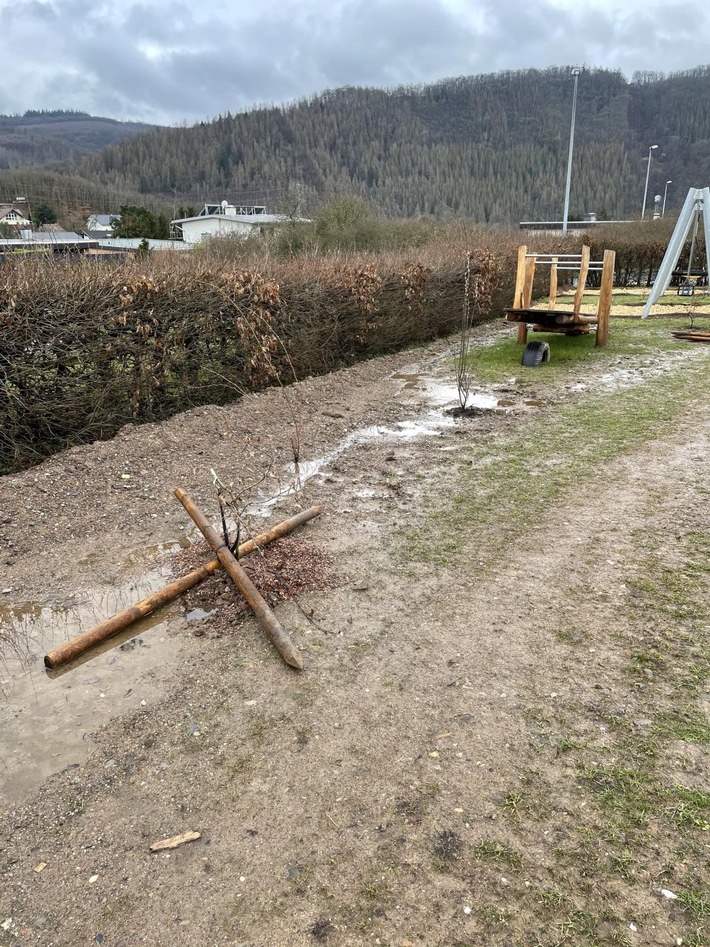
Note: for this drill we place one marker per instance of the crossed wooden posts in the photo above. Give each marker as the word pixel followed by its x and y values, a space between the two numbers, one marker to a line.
pixel 225 559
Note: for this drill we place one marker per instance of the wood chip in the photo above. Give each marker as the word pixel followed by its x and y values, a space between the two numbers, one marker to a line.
pixel 175 841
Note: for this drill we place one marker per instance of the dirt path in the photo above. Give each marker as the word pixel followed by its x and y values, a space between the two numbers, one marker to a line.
pixel 453 766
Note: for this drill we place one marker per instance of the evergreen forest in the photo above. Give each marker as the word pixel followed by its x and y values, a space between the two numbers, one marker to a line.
pixel 489 148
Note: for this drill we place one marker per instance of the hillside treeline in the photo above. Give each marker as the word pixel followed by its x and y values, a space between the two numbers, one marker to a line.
pixel 44 136
pixel 492 148
pixel 72 197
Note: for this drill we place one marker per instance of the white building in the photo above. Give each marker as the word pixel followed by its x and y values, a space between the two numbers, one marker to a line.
pixel 216 220
pixel 15 215
pixel 98 224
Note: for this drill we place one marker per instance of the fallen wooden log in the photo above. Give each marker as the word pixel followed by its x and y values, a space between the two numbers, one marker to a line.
pixel 262 612
pixel 80 644
pixel 692 336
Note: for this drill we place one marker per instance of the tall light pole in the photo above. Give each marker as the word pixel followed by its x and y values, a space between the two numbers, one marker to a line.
pixel 648 173
pixel 665 195
pixel 565 214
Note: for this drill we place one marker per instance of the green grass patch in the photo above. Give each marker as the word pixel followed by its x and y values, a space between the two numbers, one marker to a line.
pixel 687 724
pixel 496 363
pixel 515 480
pixel 496 851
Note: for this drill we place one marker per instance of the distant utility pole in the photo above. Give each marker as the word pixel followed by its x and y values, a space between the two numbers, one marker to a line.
pixel 565 215
pixel 651 149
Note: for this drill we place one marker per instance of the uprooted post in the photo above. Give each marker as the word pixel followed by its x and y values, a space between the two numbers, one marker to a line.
pixel 106 629
pixel 262 612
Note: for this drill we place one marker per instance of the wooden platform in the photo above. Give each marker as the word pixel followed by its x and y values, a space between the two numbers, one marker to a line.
pixel 554 319
pixel 562 321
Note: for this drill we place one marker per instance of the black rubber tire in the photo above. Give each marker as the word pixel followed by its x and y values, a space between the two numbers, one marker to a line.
pixel 536 353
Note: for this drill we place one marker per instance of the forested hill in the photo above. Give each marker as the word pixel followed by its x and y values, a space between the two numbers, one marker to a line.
pixel 490 147
pixel 42 137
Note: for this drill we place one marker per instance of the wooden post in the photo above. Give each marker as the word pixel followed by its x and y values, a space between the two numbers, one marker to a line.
pixel 582 281
pixel 553 283
pixel 604 304
pixel 80 644
pixel 263 614
pixel 519 293
pixel 527 297
pixel 529 279
pixel 519 279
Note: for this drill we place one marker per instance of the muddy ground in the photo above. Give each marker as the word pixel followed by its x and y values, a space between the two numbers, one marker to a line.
pixel 408 787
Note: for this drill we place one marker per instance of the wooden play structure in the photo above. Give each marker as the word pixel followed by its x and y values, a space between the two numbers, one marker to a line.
pixel 565 321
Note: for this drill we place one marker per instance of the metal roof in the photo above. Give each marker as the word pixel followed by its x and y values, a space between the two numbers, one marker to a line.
pixel 240 218
pixel 133 243
pixel 105 219
pixel 39 240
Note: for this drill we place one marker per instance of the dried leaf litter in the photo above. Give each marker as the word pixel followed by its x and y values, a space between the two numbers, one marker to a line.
pixel 284 569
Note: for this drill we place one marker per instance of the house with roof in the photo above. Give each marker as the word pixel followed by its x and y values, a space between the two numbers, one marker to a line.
pixel 216 220
pixel 101 225
pixel 16 215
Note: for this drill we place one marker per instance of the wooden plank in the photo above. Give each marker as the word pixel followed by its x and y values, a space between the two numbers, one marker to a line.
pixel 563 330
pixel 553 283
pixel 582 281
pixel 527 296
pixel 519 294
pixel 554 317
pixel 528 285
pixel 519 278
pixel 604 304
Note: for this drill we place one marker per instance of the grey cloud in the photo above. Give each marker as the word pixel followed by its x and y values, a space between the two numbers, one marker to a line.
pixel 163 61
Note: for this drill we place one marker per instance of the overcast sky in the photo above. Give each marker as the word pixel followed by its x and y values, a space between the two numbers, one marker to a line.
pixel 168 61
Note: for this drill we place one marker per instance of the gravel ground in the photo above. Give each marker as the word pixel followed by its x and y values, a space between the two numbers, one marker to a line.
pixel 366 800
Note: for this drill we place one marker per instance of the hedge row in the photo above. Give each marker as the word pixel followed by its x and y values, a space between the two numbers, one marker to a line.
pixel 87 347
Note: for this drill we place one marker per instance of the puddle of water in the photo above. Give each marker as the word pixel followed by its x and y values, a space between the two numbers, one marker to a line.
pixel 426 425
pixel 198 614
pixel 442 394
pixel 413 381
pixel 47 717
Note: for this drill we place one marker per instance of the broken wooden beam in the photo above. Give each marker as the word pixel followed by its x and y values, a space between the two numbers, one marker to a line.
pixel 263 614
pixel 106 629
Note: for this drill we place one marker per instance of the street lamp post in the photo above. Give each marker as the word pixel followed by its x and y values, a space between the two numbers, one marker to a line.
pixel 648 174
pixel 565 215
pixel 665 195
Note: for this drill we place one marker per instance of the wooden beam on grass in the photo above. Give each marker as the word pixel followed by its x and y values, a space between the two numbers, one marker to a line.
pixel 553 283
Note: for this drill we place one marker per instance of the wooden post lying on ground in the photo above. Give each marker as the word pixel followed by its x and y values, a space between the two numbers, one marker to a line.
pixel 262 612
pixel 75 647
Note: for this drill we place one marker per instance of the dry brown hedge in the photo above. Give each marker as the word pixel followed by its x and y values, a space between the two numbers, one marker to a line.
pixel 86 346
